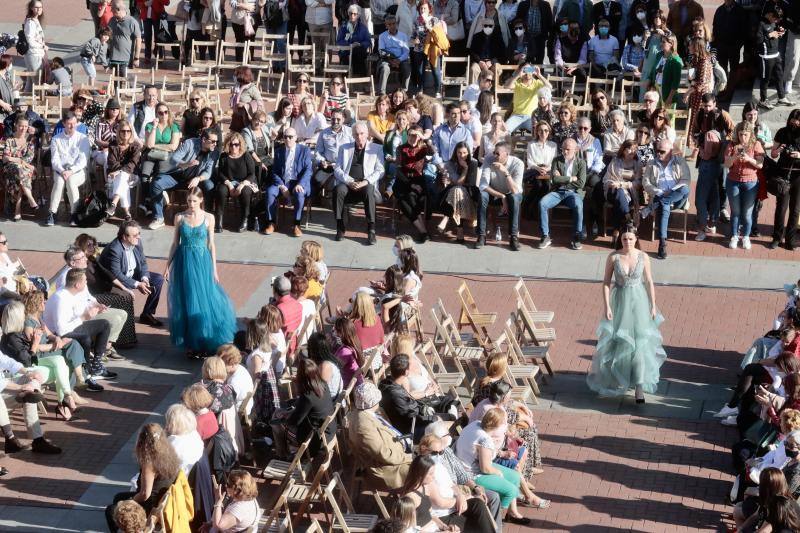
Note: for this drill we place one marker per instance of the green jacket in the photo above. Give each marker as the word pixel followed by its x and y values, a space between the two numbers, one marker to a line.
pixel 560 180
pixel 671 78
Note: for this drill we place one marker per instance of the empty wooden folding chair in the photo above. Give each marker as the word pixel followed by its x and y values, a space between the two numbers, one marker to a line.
pixel 528 333
pixel 301 58
pixel 472 317
pixel 283 471
pixel 308 494
pixel 448 78
pixel 349 522
pixel 451 345
pixel 275 522
pixel 432 361
pixel 356 86
pixel 524 295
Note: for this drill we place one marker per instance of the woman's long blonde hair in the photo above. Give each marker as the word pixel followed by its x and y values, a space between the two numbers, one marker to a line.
pixel 364 309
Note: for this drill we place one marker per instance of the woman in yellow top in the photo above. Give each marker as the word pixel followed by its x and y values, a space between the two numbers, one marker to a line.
pixel 526 82
pixel 381 119
pixel 306 267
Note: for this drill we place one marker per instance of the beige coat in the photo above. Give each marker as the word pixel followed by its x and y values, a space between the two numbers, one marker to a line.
pixel 374 448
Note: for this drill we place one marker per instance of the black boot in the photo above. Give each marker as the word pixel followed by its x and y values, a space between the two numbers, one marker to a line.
pixel 13 445
pixel 371 238
pixel 42 445
pixel 339 230
pixel 662 249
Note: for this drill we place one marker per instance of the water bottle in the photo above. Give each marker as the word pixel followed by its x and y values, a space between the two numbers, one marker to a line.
pixel 498 235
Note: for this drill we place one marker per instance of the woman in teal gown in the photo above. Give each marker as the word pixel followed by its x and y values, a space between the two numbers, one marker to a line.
pixel 201 316
pixel 629 351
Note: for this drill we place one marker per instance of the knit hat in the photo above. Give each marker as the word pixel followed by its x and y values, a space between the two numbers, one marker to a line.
pixel 367 396
pixel 113 103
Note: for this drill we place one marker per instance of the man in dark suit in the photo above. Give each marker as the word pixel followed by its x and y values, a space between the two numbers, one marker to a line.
pixel 291 179
pixel 538 18
pixel 124 258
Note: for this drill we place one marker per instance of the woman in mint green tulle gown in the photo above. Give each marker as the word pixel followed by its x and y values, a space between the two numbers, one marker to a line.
pixel 201 315
pixel 629 353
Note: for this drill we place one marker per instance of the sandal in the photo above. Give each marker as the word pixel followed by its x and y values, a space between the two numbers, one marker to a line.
pixel 543 504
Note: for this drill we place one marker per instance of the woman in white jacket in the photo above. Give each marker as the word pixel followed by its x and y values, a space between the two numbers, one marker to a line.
pixel 37 49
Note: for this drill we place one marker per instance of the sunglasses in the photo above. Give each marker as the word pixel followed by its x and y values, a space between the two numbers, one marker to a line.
pixel 662 152
pixel 643 132
pixel 236 144
pixel 163 112
pixel 583 128
pixel 3 242
pixel 194 99
pixel 563 112
pixel 302 80
pixel 125 131
pixel 661 117
pixel 490 80
pixel 488 26
pixel 212 141
pixel 337 83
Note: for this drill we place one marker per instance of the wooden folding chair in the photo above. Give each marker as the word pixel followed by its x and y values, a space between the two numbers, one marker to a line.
pixel 283 471
pixel 499 83
pixel 529 334
pixel 349 522
pixel 314 527
pixel 432 361
pixel 471 316
pixel 606 84
pixel 459 81
pixel 224 61
pixel 307 494
pixel 274 523
pixel 211 54
pixel 163 48
pixel 627 85
pixel 333 64
pixel 561 85
pixel 305 60
pixel 356 86
pixel 381 506
pixel 524 295
pixel 451 345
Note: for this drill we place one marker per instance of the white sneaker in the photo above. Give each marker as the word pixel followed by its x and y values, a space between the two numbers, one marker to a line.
pixel 746 243
pixel 730 421
pixel 789 88
pixel 735 489
pixel 726 411
pixel 701 236
pixel 711 229
pixel 156 224
pixel 734 243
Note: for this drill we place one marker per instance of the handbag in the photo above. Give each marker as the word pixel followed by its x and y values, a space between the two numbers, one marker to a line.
pixel 455 32
pixel 157 154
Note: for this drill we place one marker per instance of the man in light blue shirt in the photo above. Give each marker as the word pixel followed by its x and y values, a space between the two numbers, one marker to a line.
pixel 394 52
pixel 448 135
pixel 329 141
pixel 591 151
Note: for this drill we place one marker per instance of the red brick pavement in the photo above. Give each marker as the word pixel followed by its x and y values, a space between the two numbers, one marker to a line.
pixel 603 472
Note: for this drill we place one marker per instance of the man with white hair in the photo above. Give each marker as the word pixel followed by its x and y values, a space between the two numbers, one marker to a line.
pixel 355 34
pixel 359 167
pixel 70 151
pixel 126 39
pixel 567 178
pixel 666 180
pixel 591 150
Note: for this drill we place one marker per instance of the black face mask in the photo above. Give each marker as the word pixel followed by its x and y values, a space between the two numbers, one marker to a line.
pixel 792 454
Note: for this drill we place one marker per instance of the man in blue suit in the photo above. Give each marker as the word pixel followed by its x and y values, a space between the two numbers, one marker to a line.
pixel 124 258
pixel 291 179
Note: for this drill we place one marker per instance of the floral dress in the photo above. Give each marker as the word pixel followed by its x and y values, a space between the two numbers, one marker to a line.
pixel 563 132
pixel 18 174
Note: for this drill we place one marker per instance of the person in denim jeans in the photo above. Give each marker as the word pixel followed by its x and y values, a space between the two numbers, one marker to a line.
pixel 567 179
pixel 501 184
pixel 666 181
pixel 709 163
pixel 193 163
pixel 744 157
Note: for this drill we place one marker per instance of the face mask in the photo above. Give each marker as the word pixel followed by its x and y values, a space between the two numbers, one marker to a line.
pixel 603 31
pixel 519 32
pixel 488 31
pixel 563 28
pixel 641 15
pixel 792 454
pixel 637 39
pixel 395 251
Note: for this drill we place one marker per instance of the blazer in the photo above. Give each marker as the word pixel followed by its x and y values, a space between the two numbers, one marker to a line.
pixel 652 172
pixel 302 166
pixel 559 179
pixel 545 12
pixel 693 10
pixel 113 259
pixel 373 163
pixel 374 448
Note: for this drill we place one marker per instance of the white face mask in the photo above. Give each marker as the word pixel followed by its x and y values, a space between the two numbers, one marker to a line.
pixel 641 15
pixel 488 31
pixel 519 32
pixel 395 251
pixel 637 39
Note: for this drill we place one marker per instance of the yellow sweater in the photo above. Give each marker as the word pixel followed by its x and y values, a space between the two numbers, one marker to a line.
pixel 180 506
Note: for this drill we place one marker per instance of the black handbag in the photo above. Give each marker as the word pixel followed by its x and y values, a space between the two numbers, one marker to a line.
pixel 777 183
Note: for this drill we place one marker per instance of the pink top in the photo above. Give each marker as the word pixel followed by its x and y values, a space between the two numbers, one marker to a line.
pixel 369 336
pixel 744 172
pixel 347 356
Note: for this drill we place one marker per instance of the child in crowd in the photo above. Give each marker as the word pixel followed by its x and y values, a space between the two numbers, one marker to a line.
pixel 94 51
pixel 61 77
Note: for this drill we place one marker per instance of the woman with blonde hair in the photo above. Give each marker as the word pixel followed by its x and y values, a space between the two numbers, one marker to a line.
pixel 159 466
pixel 214 376
pixel 498 132
pixel 309 122
pixel 420 382
pixel 306 267
pixel 162 137
pixel 380 120
pixel 122 163
pixel 198 400
pixel 241 512
pixel 267 341
pixel 496 366
pixel 235 177
pixel 314 251
pixel 369 329
pixel 565 127
pixel 744 158
pixel 25 349
pixel 181 427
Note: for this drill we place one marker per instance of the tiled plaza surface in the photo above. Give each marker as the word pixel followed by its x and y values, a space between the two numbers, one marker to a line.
pixel 609 465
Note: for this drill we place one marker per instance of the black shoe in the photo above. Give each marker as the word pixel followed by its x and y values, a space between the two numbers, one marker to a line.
pixel 42 445
pixel 774 244
pixel 754 232
pixel 522 520
pixel 544 243
pixel 789 246
pixel 150 320
pixel 576 244
pixel 218 229
pixel 92 386
pixel 480 242
pixel 371 239
pixel 105 374
pixel 339 231
pixel 662 250
pixel 13 445
pixel 514 244
pixel 423 238
pixel 3 471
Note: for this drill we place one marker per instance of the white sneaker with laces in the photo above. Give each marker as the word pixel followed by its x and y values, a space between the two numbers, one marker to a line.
pixel 734 243
pixel 730 421
pixel 746 243
pixel 726 411
pixel 711 229
pixel 701 236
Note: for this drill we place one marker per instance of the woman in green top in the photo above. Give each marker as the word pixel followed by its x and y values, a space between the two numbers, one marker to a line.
pixel 162 137
pixel 394 139
pixel 665 75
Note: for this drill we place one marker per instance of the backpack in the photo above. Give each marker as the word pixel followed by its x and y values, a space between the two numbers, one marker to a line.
pixel 22 43
pixel 92 212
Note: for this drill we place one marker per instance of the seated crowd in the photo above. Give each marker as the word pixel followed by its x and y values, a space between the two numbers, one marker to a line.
pixel 426 156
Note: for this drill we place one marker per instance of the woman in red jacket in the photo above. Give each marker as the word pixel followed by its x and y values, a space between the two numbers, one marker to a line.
pixel 150 14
